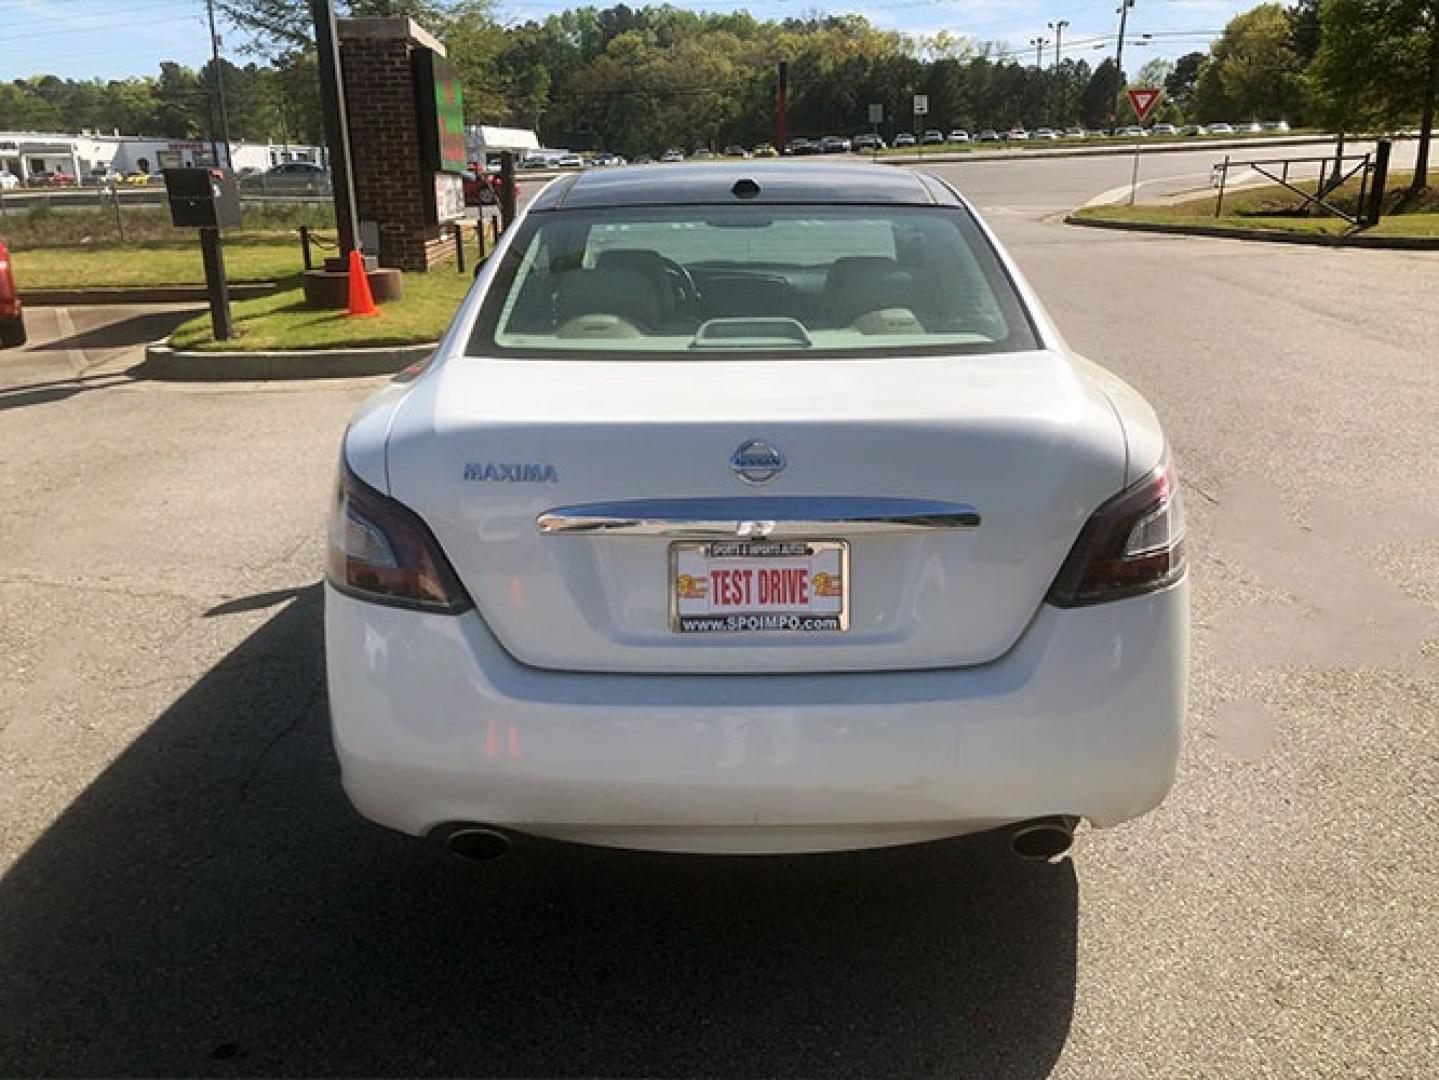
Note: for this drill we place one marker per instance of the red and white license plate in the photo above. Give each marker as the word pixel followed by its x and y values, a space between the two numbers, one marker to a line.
pixel 759 586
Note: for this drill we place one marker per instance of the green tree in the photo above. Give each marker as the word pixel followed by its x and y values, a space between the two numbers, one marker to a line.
pixel 1097 103
pixel 1180 85
pixel 24 110
pixel 1378 66
pixel 1254 69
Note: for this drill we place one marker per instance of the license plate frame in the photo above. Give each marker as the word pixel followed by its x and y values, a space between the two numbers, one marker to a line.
pixel 787 550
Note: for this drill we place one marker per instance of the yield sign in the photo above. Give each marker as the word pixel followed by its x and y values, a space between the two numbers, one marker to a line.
pixel 1144 101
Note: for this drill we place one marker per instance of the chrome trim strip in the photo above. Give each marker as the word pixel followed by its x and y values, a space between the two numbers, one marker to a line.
pixel 702 519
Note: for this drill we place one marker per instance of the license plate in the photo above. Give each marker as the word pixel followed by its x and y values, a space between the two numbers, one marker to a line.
pixel 759 586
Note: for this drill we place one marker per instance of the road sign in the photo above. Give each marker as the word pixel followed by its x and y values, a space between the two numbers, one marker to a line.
pixel 921 104
pixel 1144 101
pixel 876 113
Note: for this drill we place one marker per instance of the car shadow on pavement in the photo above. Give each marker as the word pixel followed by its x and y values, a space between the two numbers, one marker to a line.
pixel 211 905
pixel 141 329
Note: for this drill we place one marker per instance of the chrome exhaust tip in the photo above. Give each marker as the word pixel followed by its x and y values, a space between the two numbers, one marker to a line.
pixel 477 843
pixel 1044 839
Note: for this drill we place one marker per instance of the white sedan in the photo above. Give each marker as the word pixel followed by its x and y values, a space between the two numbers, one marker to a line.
pixel 755 508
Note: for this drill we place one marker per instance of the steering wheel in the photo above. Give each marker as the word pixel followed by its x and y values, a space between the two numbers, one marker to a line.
pixel 686 291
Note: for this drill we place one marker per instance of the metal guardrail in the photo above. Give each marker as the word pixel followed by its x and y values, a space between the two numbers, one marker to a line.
pixel 1334 172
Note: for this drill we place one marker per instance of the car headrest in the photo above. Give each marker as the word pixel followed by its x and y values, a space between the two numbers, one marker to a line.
pixel 626 293
pixel 859 284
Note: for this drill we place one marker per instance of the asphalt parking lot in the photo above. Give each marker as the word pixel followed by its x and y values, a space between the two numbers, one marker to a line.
pixel 183 889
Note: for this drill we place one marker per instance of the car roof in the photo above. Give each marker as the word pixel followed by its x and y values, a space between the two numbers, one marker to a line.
pixel 714 185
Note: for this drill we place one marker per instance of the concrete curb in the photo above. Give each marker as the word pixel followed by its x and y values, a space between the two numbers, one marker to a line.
pixel 163 362
pixel 143 294
pixel 1393 243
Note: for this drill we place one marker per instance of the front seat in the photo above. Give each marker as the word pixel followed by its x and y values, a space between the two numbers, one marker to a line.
pixel 622 293
pixel 858 284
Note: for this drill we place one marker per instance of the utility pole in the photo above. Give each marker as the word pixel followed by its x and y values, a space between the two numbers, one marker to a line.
pixel 1039 43
pixel 220 90
pixel 1124 6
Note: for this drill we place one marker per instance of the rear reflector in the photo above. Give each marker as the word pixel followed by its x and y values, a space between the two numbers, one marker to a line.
pixel 1132 544
pixel 380 550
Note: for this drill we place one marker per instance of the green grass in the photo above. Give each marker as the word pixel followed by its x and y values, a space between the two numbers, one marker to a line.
pixel 282 321
pixel 81 247
pixel 44 225
pixel 248 257
pixel 1274 208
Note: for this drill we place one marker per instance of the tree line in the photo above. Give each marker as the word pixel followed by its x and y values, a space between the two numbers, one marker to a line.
pixel 638 80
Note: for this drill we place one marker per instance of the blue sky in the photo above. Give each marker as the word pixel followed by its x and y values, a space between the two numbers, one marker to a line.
pixel 114 38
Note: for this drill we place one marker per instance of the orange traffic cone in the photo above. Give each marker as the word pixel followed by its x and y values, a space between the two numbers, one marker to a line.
pixel 361 302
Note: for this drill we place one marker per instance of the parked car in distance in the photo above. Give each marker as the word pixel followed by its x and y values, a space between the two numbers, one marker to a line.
pixel 765 150
pixel 1164 129
pixel 12 312
pixel 957 136
pixel 8 180
pixel 47 179
pixel 702 153
pixel 933 138
pixel 990 135
pixel 1276 126
pixel 1219 129
pixel 1254 127
pixel 672 156
pixel 904 138
pixel 289 178
pixel 643 159
pixel 735 150
pixel 1017 135
pixel 1192 129
pixel 802 147
pixel 1047 134
pixel 867 141
pixel 709 529
pixel 834 144
pixel 1075 133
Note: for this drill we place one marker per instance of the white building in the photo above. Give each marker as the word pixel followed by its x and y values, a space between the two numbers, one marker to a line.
pixel 29 153
pixel 481 141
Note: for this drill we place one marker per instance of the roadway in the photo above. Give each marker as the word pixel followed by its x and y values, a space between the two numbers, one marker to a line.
pixel 185 891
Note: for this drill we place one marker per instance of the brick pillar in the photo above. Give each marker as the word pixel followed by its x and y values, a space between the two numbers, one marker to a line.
pixel 385 140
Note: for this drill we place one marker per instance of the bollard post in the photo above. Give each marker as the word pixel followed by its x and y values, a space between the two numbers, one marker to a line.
pixel 1223 179
pixel 480 233
pixel 305 246
pixel 507 187
pixel 1362 205
pixel 460 245
pixel 1381 181
pixel 115 198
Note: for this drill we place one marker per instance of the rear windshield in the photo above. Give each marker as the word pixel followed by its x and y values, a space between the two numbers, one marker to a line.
pixel 731 281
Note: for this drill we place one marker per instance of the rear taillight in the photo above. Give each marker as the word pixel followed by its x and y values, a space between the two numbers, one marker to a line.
pixel 380 550
pixel 1132 544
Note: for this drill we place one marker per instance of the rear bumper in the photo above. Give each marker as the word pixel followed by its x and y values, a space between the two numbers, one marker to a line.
pixel 434 722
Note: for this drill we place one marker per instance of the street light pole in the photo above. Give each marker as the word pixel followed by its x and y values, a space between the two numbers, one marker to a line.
pixel 1039 43
pixel 220 90
pixel 337 125
pixel 1058 28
